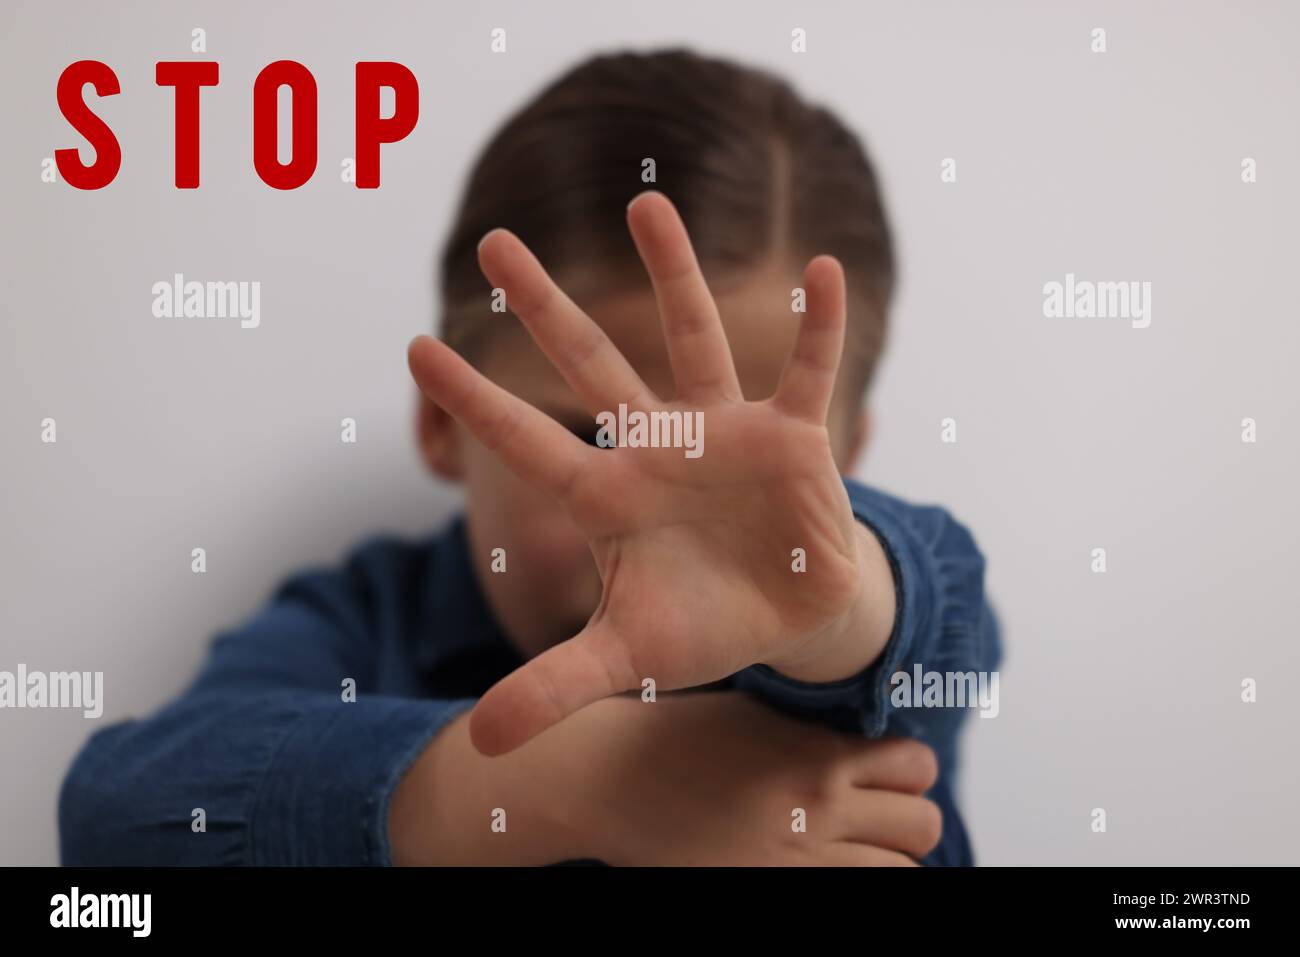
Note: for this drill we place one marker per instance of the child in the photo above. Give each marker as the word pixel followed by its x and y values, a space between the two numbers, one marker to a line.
pixel 653 503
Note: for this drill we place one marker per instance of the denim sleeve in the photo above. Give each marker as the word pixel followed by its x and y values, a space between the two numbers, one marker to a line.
pixel 943 622
pixel 284 769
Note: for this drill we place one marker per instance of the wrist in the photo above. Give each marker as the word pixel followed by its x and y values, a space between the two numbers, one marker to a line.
pixel 573 768
pixel 857 637
pixel 600 778
pixel 457 807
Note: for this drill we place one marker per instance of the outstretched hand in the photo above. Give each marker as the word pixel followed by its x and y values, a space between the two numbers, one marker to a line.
pixel 696 554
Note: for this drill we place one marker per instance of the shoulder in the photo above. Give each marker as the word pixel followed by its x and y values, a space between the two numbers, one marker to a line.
pixel 374 562
pixel 378 579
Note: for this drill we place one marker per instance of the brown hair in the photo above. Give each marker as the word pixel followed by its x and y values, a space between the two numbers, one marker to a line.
pixel 753 170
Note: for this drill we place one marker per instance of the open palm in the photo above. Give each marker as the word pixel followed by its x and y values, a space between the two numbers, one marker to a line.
pixel 696 555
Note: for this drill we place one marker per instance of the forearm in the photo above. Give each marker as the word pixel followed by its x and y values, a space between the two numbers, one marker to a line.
pixel 455 806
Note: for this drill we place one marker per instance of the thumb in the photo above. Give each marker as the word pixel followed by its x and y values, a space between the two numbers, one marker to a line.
pixel 593 664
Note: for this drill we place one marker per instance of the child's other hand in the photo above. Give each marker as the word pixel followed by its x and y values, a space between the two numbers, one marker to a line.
pixel 695 554
pixel 719 778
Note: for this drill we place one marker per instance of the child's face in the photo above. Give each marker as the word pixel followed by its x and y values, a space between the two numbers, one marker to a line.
pixel 550 586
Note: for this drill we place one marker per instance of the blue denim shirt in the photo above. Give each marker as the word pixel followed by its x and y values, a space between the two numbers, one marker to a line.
pixel 287 772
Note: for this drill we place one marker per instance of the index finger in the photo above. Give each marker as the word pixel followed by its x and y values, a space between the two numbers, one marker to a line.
pixel 533 445
pixel 578 348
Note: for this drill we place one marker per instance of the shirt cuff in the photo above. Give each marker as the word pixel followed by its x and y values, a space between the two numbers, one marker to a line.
pixel 324 798
pixel 860 703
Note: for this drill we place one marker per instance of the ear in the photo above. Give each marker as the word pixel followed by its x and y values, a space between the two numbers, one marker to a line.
pixel 858 443
pixel 439 439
